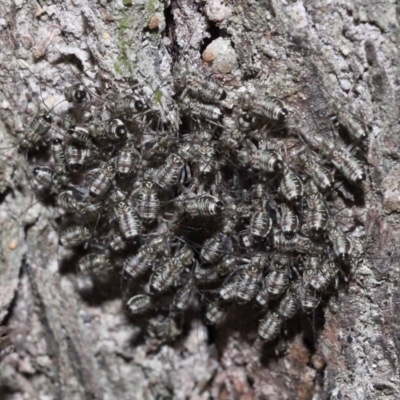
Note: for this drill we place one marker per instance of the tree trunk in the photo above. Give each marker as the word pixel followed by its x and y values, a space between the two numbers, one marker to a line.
pixel 71 347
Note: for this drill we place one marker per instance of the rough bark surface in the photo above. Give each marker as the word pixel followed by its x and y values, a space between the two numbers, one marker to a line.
pixel 69 348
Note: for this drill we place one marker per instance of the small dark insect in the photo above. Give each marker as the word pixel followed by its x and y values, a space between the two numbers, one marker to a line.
pixel 270 326
pixel 167 175
pixel 36 131
pixel 125 159
pixel 60 162
pixel 139 304
pixel 320 277
pixel 289 221
pixel 288 305
pixel 342 247
pixel 129 106
pixel 265 160
pixel 205 273
pixel 321 176
pixel 213 248
pixel 200 87
pixel 215 313
pixel 277 281
pixel 76 93
pixel 94 264
pixel 44 176
pixel 349 166
pixel 356 130
pixel 142 262
pixel 117 242
pixel 102 181
pixel 263 296
pixel 227 265
pixel 112 129
pixel 245 122
pixel 148 202
pixel 74 236
pixel 76 156
pixel 206 111
pixel 317 215
pixel 163 277
pixel 247 287
pixel 204 205
pixel 269 108
pixel 78 135
pixel 260 224
pixel 298 243
pixel 308 297
pixel 291 186
pixel 128 222
pixel 184 296
pixel 228 290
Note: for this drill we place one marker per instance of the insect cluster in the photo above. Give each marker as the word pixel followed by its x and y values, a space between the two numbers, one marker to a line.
pixel 235 207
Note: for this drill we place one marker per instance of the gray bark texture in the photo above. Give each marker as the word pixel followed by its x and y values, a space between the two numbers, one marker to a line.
pixel 60 345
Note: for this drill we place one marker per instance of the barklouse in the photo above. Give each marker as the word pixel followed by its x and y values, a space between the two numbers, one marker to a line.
pixel 215 313
pixel 78 135
pixel 206 111
pixel 95 264
pixel 148 202
pixel 291 186
pixel 76 156
pixel 342 247
pixel 113 129
pixel 102 181
pixel 228 264
pixel 317 215
pixel 289 222
pixel 76 93
pixel 265 160
pixel 268 107
pixel 260 224
pixel 354 127
pixel 347 164
pixel 248 282
pixel 228 289
pixel 125 159
pixel 270 326
pixel 117 243
pixel 44 176
pixel 37 129
pixel 143 260
pixel 167 175
pixel 129 106
pixel 139 304
pixel 321 175
pixel 200 87
pixel 277 281
pixel 214 248
pixel 128 222
pixel 184 296
pixel 60 162
pixel 263 296
pixel 288 305
pixel 308 297
pixel 164 276
pixel 74 236
pixel 204 205
pixel 322 276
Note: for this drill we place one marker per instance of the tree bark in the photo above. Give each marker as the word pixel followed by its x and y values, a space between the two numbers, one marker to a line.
pixel 67 347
